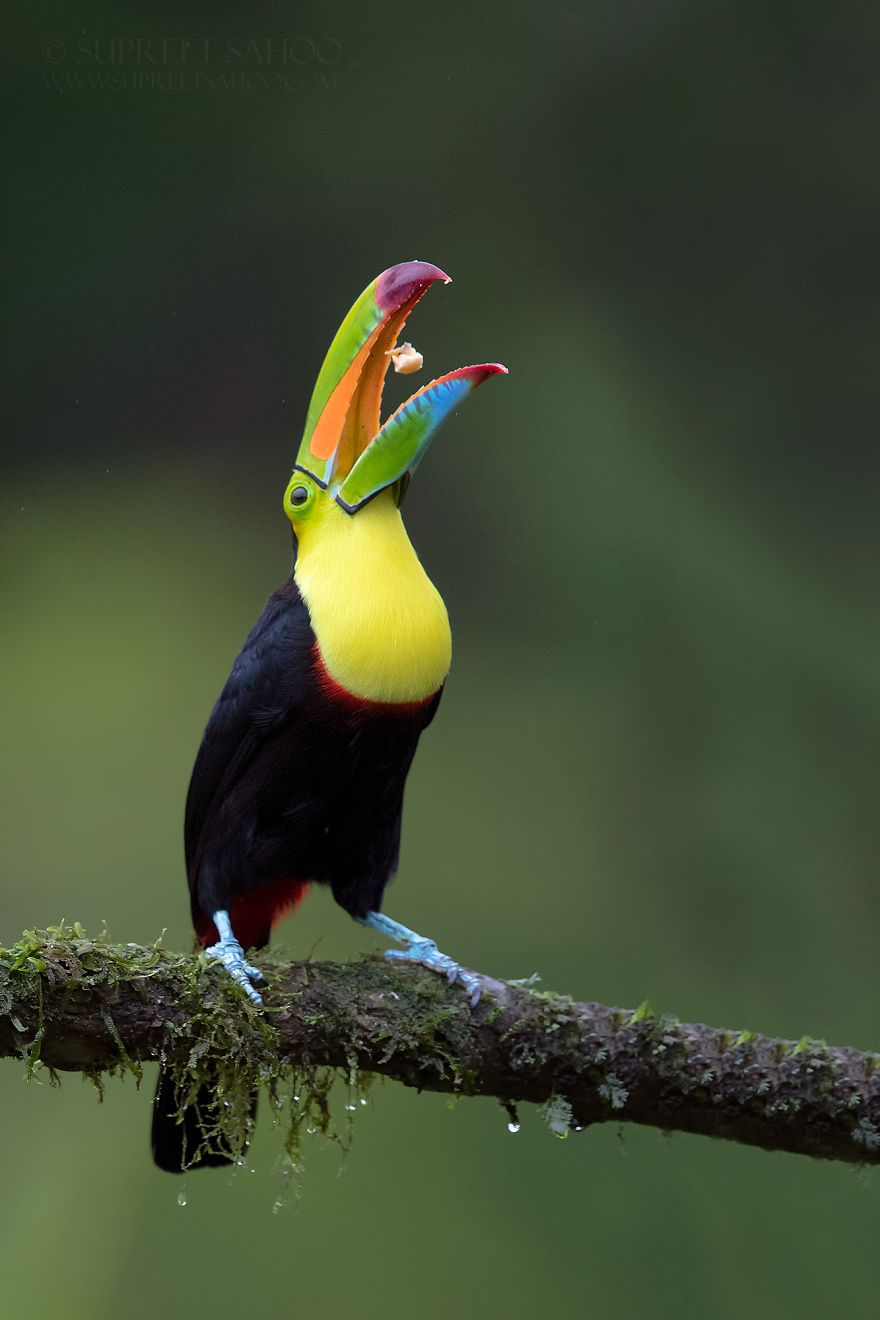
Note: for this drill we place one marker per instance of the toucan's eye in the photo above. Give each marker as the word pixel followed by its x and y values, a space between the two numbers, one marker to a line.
pixel 299 495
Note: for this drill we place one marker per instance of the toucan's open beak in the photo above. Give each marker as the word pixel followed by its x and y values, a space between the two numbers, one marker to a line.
pixel 344 447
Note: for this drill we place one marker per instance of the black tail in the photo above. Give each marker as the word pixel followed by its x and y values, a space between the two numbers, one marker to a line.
pixel 194 1141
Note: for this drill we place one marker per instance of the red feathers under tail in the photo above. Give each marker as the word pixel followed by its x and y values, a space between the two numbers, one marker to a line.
pixel 255 912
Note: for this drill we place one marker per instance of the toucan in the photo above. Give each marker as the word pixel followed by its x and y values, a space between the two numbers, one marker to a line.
pixel 300 775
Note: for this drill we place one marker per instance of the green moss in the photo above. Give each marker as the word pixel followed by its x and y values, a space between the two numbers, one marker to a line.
pixel 613 1091
pixel 807 1045
pixel 866 1134
pixel 643 1011
pixel 221 1041
pixel 557 1114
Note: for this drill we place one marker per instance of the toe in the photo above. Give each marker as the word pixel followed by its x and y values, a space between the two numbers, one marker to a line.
pixel 427 954
pixel 231 957
pixel 239 975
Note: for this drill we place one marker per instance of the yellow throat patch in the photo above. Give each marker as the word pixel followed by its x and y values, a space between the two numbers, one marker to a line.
pixel 381 624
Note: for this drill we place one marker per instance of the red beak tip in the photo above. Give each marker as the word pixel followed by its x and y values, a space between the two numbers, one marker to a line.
pixel 399 284
pixel 487 369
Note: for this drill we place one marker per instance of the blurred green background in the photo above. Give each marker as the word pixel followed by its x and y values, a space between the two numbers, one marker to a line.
pixel 654 772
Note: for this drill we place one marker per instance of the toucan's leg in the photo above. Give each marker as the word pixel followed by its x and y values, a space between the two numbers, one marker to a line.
pixel 422 951
pixel 229 952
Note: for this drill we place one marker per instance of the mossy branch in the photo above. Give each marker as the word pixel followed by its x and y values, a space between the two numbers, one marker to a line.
pixel 71 1003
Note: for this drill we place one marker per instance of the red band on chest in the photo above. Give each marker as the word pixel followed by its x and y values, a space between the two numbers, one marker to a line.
pixel 336 693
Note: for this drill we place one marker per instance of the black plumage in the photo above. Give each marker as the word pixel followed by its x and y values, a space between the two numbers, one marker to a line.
pixel 296 781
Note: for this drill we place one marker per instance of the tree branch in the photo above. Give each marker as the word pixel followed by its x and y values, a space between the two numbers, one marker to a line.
pixel 76 1004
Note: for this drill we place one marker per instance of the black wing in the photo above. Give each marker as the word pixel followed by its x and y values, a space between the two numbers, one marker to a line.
pixel 258 698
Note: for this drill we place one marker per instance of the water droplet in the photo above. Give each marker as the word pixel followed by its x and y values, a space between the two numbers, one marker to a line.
pixel 513 1117
pixel 181 1198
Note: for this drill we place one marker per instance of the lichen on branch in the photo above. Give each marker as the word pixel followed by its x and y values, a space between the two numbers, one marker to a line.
pixel 70 1003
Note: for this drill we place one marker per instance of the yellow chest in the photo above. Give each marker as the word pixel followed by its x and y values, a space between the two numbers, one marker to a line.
pixel 381 625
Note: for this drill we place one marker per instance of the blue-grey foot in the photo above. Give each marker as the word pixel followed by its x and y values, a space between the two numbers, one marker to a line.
pixel 423 951
pixel 229 952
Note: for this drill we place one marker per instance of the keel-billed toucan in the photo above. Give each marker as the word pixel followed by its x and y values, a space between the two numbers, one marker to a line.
pixel 301 770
